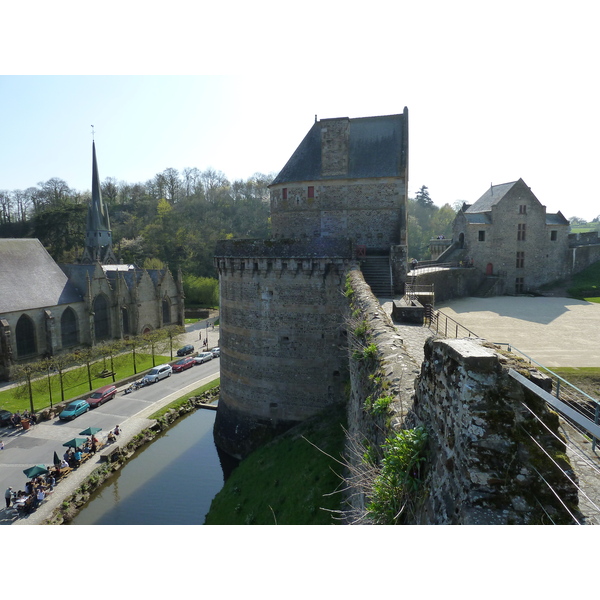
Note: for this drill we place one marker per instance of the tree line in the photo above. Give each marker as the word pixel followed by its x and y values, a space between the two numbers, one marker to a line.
pixel 174 218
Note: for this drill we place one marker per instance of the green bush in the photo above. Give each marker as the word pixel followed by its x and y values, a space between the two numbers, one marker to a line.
pixel 201 291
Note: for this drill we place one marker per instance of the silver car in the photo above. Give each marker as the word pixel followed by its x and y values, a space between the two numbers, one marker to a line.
pixel 202 357
pixel 158 373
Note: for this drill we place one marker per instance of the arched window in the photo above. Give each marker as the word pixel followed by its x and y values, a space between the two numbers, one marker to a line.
pixel 68 328
pixel 101 318
pixel 25 333
pixel 166 311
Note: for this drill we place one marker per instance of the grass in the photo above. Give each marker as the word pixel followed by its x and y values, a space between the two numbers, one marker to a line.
pixel 288 481
pixel 586 284
pixel 75 383
pixel 177 403
pixel 587 379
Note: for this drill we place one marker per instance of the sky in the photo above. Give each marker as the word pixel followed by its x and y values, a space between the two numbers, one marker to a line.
pixel 495 91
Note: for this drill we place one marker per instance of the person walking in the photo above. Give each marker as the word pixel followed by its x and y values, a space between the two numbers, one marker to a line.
pixel 8 496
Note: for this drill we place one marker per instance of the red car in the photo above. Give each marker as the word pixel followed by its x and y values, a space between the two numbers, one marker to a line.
pixel 183 364
pixel 102 395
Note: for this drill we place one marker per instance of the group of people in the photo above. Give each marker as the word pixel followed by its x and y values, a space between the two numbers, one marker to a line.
pixel 32 496
pixel 17 418
pixel 36 490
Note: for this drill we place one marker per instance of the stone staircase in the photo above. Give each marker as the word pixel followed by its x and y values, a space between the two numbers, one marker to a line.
pixel 377 273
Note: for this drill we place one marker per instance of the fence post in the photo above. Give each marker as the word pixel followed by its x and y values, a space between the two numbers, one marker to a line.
pixel 596 419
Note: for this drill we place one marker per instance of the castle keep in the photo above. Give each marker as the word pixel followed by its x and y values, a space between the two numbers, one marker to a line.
pixel 341 198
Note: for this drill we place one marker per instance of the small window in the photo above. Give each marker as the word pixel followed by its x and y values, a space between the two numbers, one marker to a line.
pixel 482 236
pixel 553 235
pixel 520 260
pixel 311 191
pixel 521 232
pixel 284 193
pixel 523 209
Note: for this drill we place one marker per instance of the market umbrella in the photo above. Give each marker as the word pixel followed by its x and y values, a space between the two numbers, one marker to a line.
pixel 56 460
pixel 75 443
pixel 90 431
pixel 35 471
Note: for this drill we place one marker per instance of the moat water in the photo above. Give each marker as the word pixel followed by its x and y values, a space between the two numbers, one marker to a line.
pixel 171 481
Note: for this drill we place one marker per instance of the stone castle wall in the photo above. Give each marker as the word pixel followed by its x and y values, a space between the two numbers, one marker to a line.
pixel 371 213
pixel 484 465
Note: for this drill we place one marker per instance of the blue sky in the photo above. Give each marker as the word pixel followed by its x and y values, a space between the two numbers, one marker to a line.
pixel 493 93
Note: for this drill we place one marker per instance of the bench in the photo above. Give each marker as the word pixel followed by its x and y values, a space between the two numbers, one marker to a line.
pixel 110 453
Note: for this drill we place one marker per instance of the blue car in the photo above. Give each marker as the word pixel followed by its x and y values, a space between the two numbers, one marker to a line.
pixel 76 408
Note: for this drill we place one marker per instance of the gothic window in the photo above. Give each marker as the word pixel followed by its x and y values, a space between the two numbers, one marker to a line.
pixel 25 333
pixel 166 311
pixel 521 232
pixel 68 328
pixel 101 318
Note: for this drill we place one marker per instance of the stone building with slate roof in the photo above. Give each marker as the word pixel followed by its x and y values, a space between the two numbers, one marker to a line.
pixel 339 201
pixel 47 309
pixel 509 235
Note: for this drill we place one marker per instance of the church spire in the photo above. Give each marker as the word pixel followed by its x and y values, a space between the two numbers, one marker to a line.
pixel 98 235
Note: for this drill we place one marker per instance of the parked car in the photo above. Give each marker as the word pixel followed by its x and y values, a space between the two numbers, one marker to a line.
pixel 158 373
pixel 216 352
pixel 74 409
pixel 183 364
pixel 202 357
pixel 102 395
pixel 185 350
pixel 5 417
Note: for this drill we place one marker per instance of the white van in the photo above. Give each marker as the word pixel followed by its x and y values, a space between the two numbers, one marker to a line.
pixel 158 373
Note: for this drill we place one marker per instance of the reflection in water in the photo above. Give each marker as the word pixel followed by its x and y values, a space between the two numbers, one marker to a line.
pixel 170 481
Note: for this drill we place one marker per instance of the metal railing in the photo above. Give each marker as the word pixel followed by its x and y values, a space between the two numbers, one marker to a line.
pixel 444 325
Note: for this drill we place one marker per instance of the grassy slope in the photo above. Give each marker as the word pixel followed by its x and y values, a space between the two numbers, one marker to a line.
pixel 287 482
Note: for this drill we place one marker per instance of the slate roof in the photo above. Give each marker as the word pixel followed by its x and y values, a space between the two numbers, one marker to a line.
pixel 556 219
pixel 29 277
pixel 491 197
pixel 377 147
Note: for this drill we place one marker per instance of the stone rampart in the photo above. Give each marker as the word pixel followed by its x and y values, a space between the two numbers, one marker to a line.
pixel 484 462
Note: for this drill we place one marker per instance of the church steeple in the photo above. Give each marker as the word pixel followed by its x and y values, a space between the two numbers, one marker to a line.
pixel 98 235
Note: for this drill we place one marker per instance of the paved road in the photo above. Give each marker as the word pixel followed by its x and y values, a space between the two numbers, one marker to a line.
pixel 23 449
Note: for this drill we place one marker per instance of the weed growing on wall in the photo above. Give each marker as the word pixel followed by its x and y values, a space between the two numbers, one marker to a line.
pixel 398 482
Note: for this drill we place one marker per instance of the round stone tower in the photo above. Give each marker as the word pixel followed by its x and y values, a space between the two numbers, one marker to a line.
pixel 282 336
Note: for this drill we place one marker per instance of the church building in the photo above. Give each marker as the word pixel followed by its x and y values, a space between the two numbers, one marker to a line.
pixel 47 309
